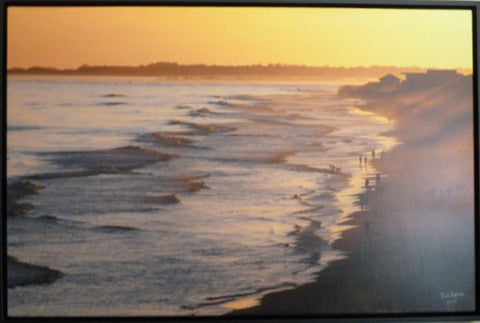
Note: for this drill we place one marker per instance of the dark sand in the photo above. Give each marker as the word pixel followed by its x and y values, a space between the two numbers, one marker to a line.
pixel 19 273
pixel 412 250
pixel 17 191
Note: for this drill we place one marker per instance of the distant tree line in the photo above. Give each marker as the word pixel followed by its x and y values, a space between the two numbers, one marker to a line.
pixel 169 69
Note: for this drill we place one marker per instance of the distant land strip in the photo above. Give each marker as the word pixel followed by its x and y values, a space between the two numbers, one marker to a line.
pixel 167 69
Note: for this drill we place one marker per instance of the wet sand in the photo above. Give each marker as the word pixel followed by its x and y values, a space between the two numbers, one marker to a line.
pixel 17 191
pixel 412 248
pixel 20 273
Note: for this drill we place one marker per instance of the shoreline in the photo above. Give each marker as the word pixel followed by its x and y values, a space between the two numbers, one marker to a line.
pixel 387 271
pixel 412 250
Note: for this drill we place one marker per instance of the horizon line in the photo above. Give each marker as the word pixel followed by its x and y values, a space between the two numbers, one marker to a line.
pixel 87 65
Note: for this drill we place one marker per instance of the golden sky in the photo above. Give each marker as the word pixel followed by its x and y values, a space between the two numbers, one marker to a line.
pixel 67 37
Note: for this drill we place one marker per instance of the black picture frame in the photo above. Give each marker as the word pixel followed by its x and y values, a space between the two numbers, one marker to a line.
pixel 472 6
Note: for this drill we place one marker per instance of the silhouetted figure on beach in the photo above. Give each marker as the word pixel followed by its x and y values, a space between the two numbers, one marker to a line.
pixel 367 183
pixel 373 154
pixel 377 179
pixel 365 160
pixel 363 201
pixel 442 195
pixel 360 159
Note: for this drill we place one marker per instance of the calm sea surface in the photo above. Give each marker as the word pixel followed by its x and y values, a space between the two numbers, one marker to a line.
pixel 171 198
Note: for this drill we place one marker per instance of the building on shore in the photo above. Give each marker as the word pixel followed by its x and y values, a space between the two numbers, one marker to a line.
pixel 432 77
pixel 390 84
pixel 390 80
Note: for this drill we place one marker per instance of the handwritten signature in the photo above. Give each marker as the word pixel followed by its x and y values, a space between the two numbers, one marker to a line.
pixel 451 297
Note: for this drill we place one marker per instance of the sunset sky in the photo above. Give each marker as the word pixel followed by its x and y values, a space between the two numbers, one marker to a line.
pixel 71 36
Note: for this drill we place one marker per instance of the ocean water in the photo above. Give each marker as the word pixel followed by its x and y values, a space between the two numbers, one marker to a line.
pixel 180 198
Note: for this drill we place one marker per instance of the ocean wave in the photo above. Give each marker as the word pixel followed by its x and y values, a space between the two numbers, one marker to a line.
pixel 80 173
pixel 259 106
pixel 163 199
pixel 53 219
pixel 276 122
pixel 306 168
pixel 309 210
pixel 47 218
pixel 203 112
pixel 18 190
pixel 114 103
pixel 223 299
pixel 168 140
pixel 183 107
pixel 308 241
pixel 191 184
pixel 260 290
pixel 246 97
pixel 114 95
pixel 16 209
pixel 278 158
pixel 257 158
pixel 300 198
pixel 223 103
pixel 23 128
pixel 109 161
pixel 115 228
pixel 22 188
pixel 201 129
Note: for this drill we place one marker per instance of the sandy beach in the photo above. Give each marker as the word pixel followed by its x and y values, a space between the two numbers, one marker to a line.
pixel 412 248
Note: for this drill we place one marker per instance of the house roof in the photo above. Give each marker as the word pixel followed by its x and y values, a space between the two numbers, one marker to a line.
pixel 389 77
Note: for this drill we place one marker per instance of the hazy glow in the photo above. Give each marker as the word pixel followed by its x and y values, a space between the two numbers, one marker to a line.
pixel 67 37
pixel 373 115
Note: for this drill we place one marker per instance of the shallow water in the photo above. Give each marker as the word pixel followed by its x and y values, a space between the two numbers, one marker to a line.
pixel 244 204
